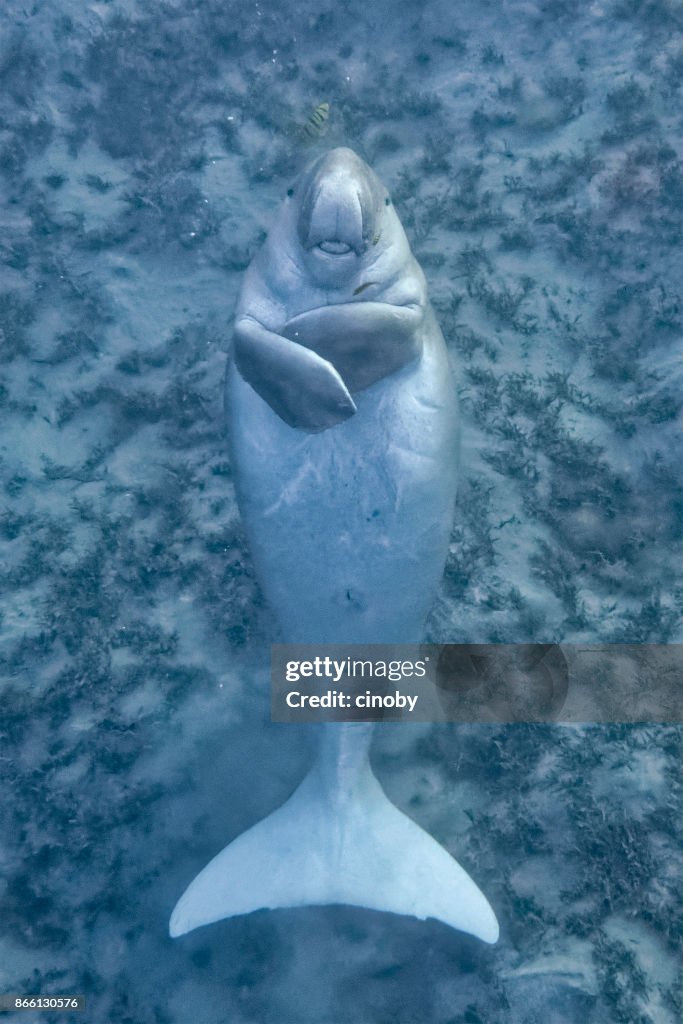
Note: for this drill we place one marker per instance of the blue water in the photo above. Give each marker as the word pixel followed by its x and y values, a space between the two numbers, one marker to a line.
pixel 533 151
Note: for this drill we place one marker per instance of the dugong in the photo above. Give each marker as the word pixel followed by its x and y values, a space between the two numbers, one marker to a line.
pixel 342 419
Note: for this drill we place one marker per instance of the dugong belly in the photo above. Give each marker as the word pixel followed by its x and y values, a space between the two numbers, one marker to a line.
pixel 349 528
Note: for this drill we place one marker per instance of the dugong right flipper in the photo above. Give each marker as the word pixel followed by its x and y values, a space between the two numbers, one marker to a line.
pixel 304 389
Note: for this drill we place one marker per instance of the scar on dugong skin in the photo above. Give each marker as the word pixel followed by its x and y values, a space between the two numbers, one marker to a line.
pixel 334 301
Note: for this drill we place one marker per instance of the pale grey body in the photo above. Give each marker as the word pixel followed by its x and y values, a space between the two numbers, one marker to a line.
pixel 343 427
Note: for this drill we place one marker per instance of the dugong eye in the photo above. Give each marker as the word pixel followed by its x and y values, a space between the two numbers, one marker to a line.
pixel 290 191
pixel 387 201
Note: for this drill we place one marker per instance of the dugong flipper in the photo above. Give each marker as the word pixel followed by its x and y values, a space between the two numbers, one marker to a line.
pixel 304 389
pixel 343 429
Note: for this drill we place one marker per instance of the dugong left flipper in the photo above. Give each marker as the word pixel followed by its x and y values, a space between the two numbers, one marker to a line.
pixel 366 341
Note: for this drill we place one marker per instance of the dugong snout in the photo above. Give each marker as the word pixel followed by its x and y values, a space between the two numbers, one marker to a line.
pixel 339 202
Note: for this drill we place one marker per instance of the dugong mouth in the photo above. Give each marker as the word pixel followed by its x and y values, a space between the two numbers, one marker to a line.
pixel 335 248
pixel 338 205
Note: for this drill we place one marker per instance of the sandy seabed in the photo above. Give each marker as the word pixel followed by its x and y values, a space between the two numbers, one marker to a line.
pixel 533 151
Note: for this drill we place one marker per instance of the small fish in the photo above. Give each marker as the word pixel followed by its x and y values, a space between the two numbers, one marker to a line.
pixel 316 125
pixel 362 287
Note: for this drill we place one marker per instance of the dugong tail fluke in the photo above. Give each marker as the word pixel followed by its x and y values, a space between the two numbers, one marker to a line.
pixel 328 845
